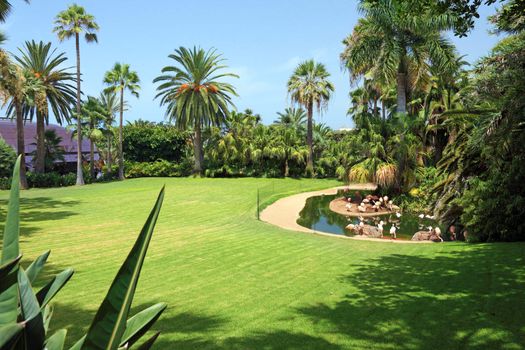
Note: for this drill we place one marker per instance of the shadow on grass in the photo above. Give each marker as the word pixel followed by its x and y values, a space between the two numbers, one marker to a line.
pixel 36 210
pixel 471 299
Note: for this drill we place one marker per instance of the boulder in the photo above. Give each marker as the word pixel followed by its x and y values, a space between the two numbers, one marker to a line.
pixel 366 230
pixel 426 236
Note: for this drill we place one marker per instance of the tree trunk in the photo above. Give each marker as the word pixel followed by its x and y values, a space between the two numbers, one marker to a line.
pixel 20 143
pixel 286 168
pixel 375 107
pixel 40 144
pixel 92 157
pixel 310 141
pixel 120 153
pixel 80 174
pixel 108 165
pixel 197 147
pixel 383 111
pixel 401 93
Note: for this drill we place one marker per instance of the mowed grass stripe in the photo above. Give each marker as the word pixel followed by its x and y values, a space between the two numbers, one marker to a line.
pixel 232 282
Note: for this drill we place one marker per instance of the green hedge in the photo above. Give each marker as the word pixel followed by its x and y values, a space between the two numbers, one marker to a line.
pixel 160 168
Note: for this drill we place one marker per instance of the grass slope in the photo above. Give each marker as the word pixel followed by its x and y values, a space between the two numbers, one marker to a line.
pixel 232 282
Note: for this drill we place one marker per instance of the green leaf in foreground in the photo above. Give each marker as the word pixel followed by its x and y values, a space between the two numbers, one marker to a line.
pixel 109 323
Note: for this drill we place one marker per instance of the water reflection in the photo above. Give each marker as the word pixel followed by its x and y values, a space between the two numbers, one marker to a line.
pixel 317 216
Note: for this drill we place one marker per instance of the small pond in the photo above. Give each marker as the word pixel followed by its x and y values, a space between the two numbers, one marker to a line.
pixel 316 215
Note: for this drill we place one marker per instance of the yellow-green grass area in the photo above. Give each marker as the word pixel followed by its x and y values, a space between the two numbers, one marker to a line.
pixel 232 282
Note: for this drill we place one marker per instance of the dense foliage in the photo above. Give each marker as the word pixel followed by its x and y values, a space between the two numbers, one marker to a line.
pixel 147 142
pixel 7 158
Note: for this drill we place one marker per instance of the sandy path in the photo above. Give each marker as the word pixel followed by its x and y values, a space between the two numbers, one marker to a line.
pixel 285 212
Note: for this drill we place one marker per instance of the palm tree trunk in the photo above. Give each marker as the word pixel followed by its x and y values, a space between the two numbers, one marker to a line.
pixel 309 141
pixel 40 144
pixel 286 168
pixel 197 147
pixel 108 165
pixel 120 153
pixel 80 174
pixel 91 157
pixel 401 93
pixel 20 143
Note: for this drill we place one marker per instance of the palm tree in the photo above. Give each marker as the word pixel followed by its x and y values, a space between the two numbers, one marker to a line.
pixel 121 78
pixel 56 91
pixel 94 114
pixel 309 87
pixel 194 95
pixel 110 103
pixel 394 44
pixel 19 88
pixel 294 118
pixel 70 23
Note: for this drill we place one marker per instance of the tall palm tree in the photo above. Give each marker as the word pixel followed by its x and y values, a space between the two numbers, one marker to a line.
pixel 71 23
pixel 309 87
pixel 194 95
pixel 110 103
pixel 394 43
pixel 56 90
pixel 119 79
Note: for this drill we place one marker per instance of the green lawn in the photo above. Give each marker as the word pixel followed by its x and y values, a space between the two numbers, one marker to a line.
pixel 232 282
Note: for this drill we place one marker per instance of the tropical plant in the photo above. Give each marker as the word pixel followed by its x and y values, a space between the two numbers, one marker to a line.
pixel 7 158
pixel 294 118
pixel 25 315
pixel 94 114
pixel 55 90
pixel 71 23
pixel 394 44
pixel 110 103
pixel 20 88
pixel 309 86
pixel 53 150
pixel 194 95
pixel 119 79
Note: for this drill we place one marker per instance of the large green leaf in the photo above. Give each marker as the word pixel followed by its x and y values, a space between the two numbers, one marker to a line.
pixel 149 343
pixel 56 341
pixel 109 323
pixel 139 324
pixel 36 266
pixel 8 266
pixel 34 332
pixel 9 333
pixel 47 293
pixel 10 251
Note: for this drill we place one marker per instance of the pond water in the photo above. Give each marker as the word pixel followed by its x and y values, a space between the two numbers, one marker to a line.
pixel 316 215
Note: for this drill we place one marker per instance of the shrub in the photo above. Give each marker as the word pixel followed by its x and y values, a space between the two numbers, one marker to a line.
pixel 45 180
pixel 148 142
pixel 160 168
pixel 7 159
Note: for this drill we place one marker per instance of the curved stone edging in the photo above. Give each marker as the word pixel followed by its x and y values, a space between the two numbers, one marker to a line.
pixel 285 212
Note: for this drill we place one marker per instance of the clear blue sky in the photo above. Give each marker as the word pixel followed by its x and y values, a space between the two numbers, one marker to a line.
pixel 262 40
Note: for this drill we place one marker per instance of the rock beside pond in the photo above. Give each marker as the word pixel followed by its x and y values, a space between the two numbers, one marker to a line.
pixel 426 236
pixel 366 230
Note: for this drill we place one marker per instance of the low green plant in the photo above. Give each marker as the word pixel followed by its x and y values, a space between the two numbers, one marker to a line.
pixel 25 314
pixel 160 168
pixel 7 159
